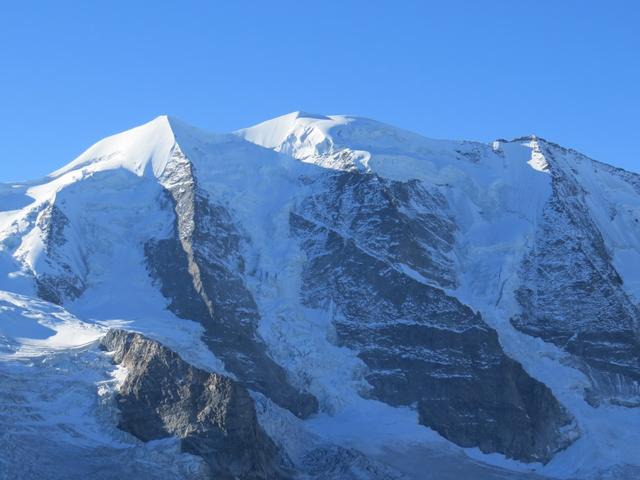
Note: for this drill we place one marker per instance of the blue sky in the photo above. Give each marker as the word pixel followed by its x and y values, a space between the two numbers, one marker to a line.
pixel 73 72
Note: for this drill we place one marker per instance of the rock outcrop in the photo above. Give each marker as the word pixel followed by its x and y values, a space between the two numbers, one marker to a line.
pixel 422 346
pixel 572 296
pixel 199 270
pixel 58 280
pixel 338 265
pixel 211 414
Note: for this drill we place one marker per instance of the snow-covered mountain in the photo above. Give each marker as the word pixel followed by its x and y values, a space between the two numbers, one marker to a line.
pixel 320 297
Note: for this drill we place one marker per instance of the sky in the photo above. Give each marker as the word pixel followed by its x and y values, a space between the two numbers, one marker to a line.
pixel 74 72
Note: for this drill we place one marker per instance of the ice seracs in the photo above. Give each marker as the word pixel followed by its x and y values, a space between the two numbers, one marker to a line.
pixel 374 289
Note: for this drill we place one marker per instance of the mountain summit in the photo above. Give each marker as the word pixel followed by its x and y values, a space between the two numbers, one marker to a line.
pixel 320 297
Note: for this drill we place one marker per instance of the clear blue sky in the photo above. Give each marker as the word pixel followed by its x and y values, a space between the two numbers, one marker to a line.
pixel 72 72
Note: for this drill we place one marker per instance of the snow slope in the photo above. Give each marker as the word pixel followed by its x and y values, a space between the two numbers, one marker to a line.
pixel 498 194
pixel 57 412
pixel 114 199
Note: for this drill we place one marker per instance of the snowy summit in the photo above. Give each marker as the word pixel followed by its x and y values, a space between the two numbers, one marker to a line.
pixel 320 297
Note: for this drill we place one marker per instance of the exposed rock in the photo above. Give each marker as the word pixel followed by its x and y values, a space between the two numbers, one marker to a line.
pixel 503 409
pixel 572 296
pixel 401 222
pixel 211 414
pixel 352 260
pixel 59 281
pixel 422 346
pixel 200 271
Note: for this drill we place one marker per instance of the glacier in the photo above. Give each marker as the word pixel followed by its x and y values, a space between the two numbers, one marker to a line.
pixel 396 306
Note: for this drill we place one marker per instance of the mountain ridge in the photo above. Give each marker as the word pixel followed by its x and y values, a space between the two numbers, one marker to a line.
pixel 355 267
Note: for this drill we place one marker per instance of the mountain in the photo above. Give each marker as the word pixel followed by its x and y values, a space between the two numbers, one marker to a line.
pixel 320 297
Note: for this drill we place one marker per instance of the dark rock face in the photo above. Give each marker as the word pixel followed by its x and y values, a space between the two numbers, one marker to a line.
pixel 504 410
pixel 422 346
pixel 200 271
pixel 60 282
pixel 572 296
pixel 402 222
pixel 213 416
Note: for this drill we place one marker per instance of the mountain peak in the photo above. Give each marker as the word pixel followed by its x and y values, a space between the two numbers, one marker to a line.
pixel 274 133
pixel 362 272
pixel 303 114
pixel 144 149
pixel 133 149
